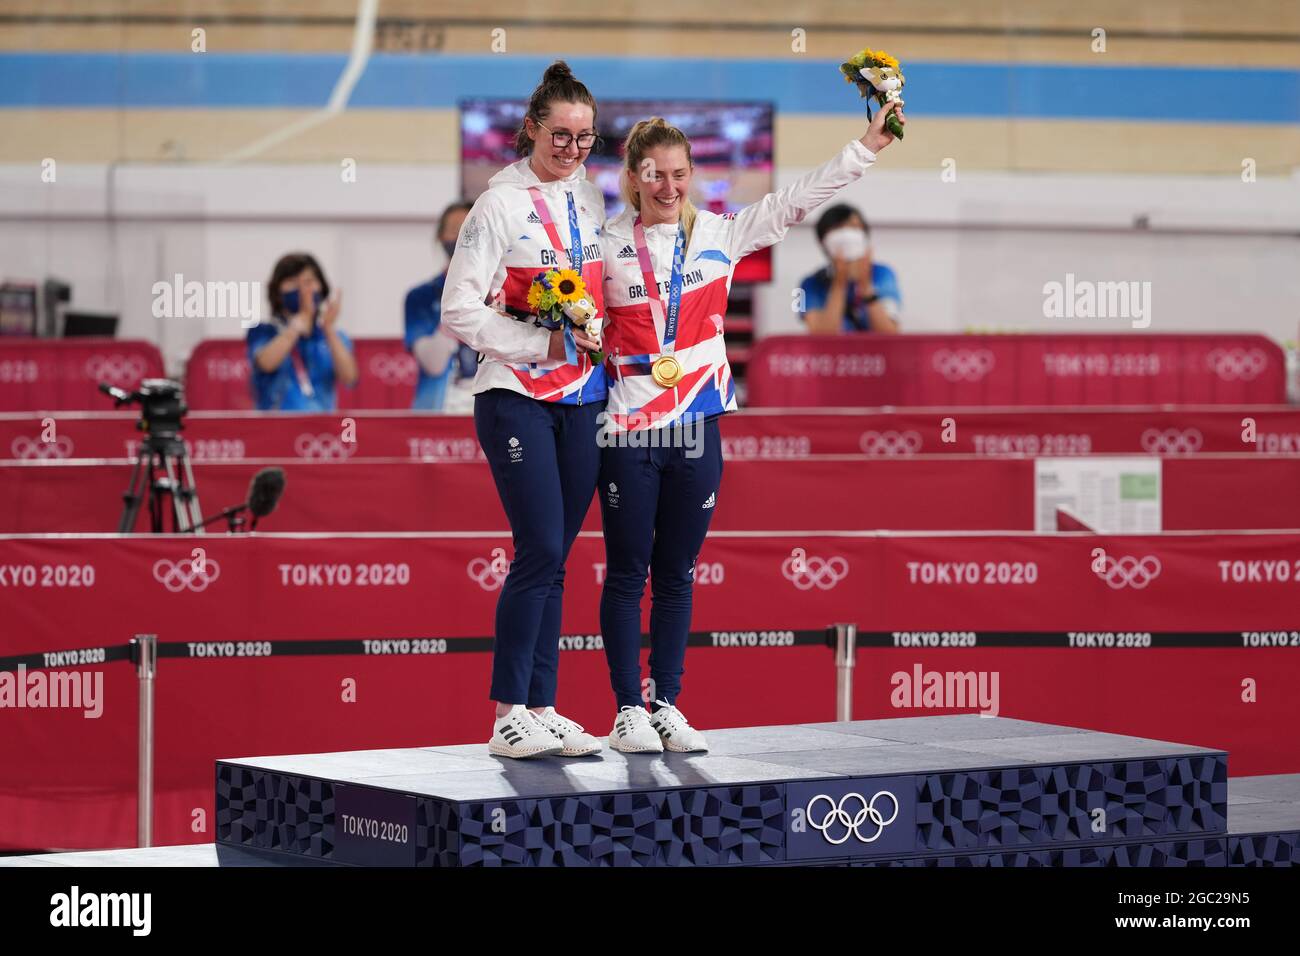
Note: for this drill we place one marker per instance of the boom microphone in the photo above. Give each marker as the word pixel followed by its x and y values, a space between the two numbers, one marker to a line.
pixel 264 492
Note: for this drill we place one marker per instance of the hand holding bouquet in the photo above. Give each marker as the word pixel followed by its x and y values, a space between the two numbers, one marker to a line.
pixel 877 74
pixel 560 299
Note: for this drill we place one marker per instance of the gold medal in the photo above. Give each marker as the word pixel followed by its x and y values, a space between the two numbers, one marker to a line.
pixel 666 371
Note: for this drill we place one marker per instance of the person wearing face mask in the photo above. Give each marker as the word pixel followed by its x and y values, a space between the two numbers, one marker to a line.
pixel 299 355
pixel 436 351
pixel 535 411
pixel 670 268
pixel 854 293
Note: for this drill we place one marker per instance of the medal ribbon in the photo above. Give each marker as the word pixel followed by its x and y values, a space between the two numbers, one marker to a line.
pixel 665 324
pixel 574 254
pixel 575 234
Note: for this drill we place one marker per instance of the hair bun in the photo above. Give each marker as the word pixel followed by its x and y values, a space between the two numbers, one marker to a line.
pixel 559 70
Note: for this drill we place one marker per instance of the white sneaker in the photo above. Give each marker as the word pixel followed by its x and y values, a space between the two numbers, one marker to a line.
pixel 576 742
pixel 675 731
pixel 520 734
pixel 632 732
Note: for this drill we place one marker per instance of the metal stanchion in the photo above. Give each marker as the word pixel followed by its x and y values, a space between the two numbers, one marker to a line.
pixel 846 645
pixel 144 651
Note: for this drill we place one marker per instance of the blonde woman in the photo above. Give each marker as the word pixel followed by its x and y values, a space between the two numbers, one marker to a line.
pixel 669 269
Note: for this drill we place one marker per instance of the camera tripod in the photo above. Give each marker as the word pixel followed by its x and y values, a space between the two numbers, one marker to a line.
pixel 164 462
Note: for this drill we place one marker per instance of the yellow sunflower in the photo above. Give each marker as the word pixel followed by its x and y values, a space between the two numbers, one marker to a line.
pixel 534 295
pixel 567 286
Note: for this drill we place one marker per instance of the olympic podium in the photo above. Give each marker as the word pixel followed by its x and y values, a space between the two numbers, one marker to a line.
pixel 923 791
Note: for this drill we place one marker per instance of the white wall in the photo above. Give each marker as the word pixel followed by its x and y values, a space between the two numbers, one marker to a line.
pixel 1220 254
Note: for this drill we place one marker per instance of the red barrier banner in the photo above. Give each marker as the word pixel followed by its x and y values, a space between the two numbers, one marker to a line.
pixel 785 371
pixel 920 493
pixel 760 433
pixel 104 588
pixel 1136 369
pixel 1021 432
pixel 217 375
pixel 298 644
pixel 227 436
pixel 51 374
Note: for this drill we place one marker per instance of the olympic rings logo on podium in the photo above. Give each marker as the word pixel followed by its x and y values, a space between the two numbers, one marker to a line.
pixel 393 369
pixel 118 368
pixel 1172 441
pixel 1236 365
pixel 814 572
pixel 838 815
pixel 28 449
pixel 963 365
pixel 1129 571
pixel 176 576
pixel 486 574
pixel 325 447
pixel 890 443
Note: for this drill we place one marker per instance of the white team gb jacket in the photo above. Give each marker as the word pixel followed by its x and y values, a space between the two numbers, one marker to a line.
pixel 502 246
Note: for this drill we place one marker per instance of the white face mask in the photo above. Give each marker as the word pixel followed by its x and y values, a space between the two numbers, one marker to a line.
pixel 848 242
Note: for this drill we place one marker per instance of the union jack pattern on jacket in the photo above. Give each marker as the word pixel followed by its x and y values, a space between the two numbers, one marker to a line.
pixel 717 243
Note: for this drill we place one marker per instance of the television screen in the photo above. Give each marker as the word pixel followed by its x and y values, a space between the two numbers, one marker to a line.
pixel 731 145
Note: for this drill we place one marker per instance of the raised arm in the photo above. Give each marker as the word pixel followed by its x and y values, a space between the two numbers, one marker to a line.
pixel 474 266
pixel 767 221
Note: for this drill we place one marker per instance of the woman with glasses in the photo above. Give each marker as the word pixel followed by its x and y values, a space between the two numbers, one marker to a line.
pixel 670 269
pixel 535 413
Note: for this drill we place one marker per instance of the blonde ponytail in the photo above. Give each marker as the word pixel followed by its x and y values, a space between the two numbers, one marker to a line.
pixel 688 219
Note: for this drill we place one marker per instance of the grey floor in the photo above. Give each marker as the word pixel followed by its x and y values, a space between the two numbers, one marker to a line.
pixel 736 755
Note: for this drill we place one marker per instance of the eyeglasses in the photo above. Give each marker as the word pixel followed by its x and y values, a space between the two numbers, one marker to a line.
pixel 563 138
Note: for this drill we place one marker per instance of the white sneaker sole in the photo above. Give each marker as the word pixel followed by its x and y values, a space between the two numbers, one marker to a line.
pixel 678 748
pixel 580 751
pixel 629 749
pixel 521 753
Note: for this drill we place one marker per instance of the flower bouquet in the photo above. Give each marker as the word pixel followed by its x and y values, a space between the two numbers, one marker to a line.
pixel 877 74
pixel 560 298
